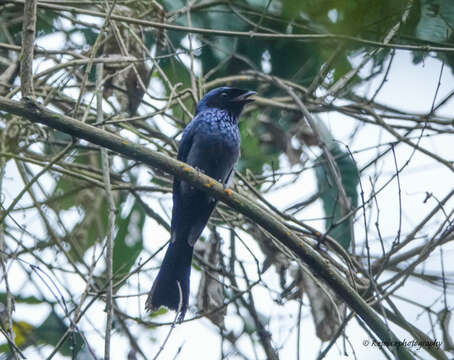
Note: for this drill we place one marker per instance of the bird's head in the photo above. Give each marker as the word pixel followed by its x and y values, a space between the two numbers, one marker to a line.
pixel 226 98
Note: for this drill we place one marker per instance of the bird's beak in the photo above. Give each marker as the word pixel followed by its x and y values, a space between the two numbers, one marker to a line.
pixel 245 97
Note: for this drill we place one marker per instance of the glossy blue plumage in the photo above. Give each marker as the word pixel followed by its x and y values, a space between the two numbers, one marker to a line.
pixel 210 143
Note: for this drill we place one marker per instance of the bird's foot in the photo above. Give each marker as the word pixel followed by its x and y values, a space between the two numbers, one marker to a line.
pixel 226 189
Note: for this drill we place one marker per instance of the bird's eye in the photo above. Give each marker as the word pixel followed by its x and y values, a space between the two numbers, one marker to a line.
pixel 224 95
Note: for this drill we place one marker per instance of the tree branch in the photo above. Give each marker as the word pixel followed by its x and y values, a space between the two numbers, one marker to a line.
pixel 28 40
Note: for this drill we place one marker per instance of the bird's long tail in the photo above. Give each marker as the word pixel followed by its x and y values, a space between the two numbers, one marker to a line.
pixel 171 286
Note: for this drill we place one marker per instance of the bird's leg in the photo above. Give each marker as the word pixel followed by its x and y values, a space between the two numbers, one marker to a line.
pixel 226 189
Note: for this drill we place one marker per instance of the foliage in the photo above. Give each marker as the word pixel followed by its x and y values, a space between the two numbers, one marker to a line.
pixel 329 194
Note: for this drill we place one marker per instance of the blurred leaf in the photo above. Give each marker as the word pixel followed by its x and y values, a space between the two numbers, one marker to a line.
pixel 171 5
pixel 210 296
pixel 90 202
pixel 329 194
pixel 55 136
pixel 341 67
pixel 437 20
pixel 254 152
pixel 45 22
pixel 128 241
pixel 22 331
pixel 93 225
pixel 90 35
pixel 159 312
pixel 67 184
pixel 50 332
pixel 249 325
pixel 324 312
pixel 91 229
pixel 291 9
pixel 21 299
pixel 177 72
pixel 436 24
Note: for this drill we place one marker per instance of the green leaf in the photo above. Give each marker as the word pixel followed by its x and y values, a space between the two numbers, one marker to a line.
pixel 90 35
pixel 90 202
pixel 329 193
pixel 45 23
pixel 22 330
pixel 91 229
pixel 436 21
pixel 177 72
pixel 128 241
pixel 249 324
pixel 341 67
pixel 66 187
pixel 56 136
pixel 52 329
pixel 31 300
pixel 291 9
pixel 93 225
pixel 255 153
pixel 159 312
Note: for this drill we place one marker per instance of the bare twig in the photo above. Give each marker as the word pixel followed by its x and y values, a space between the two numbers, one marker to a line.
pixel 111 217
pixel 180 303
pixel 28 40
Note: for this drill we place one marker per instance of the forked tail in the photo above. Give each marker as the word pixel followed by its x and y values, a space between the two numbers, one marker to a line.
pixel 175 270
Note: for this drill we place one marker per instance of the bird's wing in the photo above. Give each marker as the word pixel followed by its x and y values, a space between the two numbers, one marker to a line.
pixel 187 139
pixel 191 207
pixel 183 151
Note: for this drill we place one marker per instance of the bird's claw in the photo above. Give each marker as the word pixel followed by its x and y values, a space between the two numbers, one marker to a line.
pixel 226 189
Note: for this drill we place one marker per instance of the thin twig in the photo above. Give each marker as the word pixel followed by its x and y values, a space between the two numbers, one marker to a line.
pixel 28 40
pixel 111 217
pixel 180 304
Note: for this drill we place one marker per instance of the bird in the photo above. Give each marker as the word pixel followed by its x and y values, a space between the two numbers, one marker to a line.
pixel 211 144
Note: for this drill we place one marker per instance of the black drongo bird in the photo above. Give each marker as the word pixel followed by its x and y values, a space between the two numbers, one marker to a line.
pixel 211 144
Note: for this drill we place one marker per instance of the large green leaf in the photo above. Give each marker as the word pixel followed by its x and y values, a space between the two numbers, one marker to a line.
pixel 90 202
pixel 329 193
pixel 254 153
pixel 10 16
pixel 66 186
pixel 128 241
pixel 437 20
pixel 50 332
pixel 31 300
